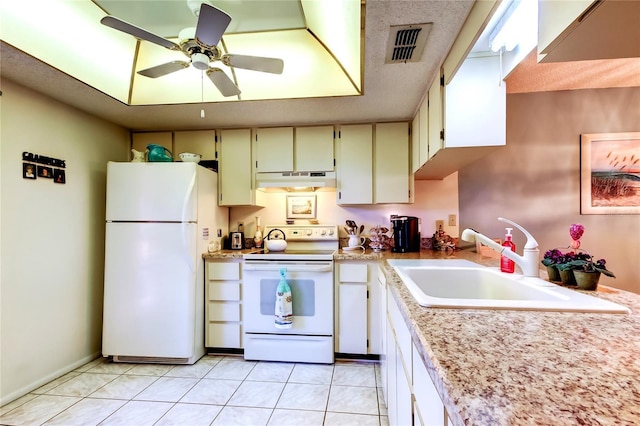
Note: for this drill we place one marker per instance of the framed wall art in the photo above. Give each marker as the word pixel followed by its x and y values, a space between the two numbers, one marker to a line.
pixel 610 173
pixel 301 206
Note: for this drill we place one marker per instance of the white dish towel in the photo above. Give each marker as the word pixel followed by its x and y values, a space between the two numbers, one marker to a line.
pixel 284 301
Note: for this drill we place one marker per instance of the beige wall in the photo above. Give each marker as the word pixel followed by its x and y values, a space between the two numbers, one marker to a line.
pixel 535 179
pixel 434 200
pixel 52 239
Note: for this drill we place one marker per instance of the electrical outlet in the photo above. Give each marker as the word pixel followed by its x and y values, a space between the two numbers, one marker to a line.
pixel 439 224
pixel 452 220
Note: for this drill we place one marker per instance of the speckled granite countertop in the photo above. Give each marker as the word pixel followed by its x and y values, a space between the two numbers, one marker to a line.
pixel 501 367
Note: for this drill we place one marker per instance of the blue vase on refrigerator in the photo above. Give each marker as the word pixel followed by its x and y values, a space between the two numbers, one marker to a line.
pixel 159 220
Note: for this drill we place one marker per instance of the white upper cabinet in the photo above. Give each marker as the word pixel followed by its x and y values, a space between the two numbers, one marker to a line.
pixel 201 142
pixel 391 169
pixel 314 149
pixel 580 30
pixel 466 103
pixel 274 149
pixel 354 167
pixel 420 136
pixel 235 178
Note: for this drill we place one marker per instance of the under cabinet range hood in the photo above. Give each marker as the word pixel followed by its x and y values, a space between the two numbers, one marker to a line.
pixel 296 181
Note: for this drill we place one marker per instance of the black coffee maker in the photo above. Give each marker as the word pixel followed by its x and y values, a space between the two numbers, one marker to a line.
pixel 406 234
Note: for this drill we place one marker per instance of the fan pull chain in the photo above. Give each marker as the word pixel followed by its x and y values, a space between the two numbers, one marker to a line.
pixel 202 94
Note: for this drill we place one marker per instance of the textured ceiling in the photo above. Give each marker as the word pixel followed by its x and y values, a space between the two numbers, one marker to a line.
pixel 392 92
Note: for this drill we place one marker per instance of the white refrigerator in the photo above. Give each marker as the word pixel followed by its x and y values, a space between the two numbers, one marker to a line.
pixel 160 218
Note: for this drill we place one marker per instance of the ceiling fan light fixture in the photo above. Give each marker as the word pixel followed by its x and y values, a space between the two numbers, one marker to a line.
pixel 200 61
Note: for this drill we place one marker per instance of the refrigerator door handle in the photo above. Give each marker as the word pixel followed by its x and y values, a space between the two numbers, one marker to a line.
pixel 187 196
pixel 185 234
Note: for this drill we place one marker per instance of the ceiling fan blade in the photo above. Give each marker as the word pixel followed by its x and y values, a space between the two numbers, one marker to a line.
pixel 164 69
pixel 212 23
pixel 224 84
pixel 255 63
pixel 125 27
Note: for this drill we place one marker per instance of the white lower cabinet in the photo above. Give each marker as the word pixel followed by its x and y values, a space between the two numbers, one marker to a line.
pixel 223 309
pixel 409 392
pixel 357 308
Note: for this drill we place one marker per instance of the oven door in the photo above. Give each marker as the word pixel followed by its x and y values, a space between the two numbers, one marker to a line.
pixel 311 285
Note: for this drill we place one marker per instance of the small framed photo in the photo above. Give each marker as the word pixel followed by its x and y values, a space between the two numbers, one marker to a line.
pixel 45 172
pixel 59 176
pixel 301 206
pixel 28 171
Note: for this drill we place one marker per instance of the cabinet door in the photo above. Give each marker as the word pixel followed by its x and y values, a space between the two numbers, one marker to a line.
pixel 234 168
pixel 420 136
pixel 139 141
pixel 391 171
pixel 274 149
pixel 352 308
pixel 201 142
pixel 355 164
pixel 556 20
pixel 427 400
pixel 415 142
pixel 478 120
pixel 314 149
pixel 436 123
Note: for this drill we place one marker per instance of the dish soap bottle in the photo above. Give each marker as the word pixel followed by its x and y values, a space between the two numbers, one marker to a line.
pixel 507 265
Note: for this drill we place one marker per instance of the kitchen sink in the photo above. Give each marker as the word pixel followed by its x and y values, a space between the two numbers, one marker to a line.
pixel 457 283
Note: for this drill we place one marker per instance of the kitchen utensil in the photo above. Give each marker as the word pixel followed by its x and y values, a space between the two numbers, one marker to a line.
pixel 355 240
pixel 273 243
pixel 237 240
pixel 361 229
pixel 189 157
pixel 158 153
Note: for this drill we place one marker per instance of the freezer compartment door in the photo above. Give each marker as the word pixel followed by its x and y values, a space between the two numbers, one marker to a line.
pixel 148 192
pixel 150 290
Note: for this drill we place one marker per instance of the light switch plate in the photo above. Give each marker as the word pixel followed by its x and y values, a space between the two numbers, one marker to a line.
pixel 452 220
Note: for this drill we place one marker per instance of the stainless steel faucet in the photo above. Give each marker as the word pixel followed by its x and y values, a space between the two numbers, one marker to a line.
pixel 528 262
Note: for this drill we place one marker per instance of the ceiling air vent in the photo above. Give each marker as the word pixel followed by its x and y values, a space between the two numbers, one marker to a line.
pixel 406 43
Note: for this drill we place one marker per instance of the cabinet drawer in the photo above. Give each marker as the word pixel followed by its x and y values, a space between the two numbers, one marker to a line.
pixel 223 311
pixel 223 271
pixel 224 335
pixel 223 291
pixel 353 272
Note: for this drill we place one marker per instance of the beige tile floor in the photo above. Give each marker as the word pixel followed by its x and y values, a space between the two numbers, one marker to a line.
pixel 217 390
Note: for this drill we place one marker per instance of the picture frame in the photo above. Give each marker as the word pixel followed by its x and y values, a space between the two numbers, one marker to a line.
pixel 45 172
pixel 28 171
pixel 610 173
pixel 301 206
pixel 59 176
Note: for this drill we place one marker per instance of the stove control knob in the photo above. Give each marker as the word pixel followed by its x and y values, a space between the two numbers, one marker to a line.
pixel 323 232
pixel 308 231
pixel 330 231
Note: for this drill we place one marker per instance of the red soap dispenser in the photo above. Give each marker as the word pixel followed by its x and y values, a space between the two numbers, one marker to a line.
pixel 506 264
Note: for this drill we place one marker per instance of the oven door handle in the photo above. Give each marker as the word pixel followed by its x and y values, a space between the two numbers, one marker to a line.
pixel 292 268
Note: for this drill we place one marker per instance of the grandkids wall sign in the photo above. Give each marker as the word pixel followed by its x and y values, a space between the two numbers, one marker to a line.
pixel 39 166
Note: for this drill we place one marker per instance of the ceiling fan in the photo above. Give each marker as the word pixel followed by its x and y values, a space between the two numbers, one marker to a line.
pixel 200 45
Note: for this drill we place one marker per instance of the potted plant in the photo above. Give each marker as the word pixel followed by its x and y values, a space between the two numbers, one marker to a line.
pixel 550 260
pixel 566 266
pixel 587 272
